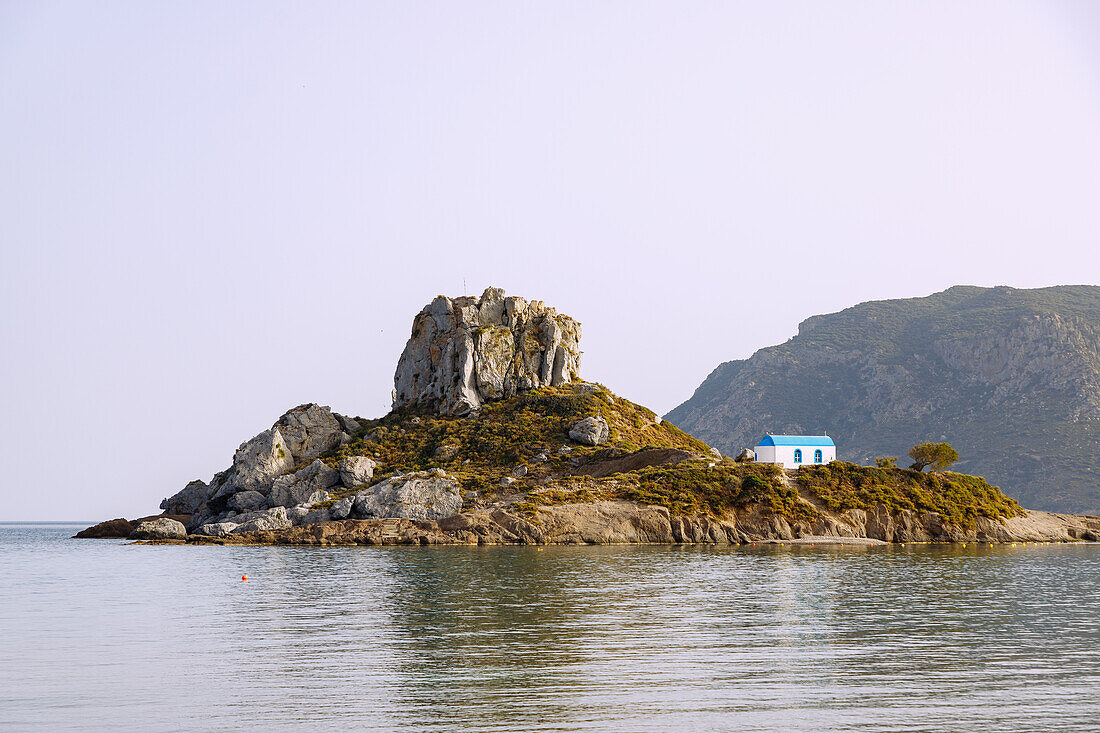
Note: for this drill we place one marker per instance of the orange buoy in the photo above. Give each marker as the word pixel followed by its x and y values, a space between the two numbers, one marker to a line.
pixel 244 578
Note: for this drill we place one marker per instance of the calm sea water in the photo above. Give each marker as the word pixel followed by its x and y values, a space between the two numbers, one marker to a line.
pixel 99 634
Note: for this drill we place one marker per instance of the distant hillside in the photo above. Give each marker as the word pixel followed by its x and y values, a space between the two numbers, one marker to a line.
pixel 1010 377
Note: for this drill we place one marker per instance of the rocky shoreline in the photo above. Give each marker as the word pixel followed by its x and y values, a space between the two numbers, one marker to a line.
pixel 621 522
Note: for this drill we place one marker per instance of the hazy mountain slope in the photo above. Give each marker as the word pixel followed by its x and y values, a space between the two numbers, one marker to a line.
pixel 1010 377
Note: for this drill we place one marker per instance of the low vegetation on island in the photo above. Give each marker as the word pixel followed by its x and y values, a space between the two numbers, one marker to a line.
pixel 524 442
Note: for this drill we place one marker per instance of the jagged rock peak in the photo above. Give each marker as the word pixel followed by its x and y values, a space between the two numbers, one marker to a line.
pixel 466 351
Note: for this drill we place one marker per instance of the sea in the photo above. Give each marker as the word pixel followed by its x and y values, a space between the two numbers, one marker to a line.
pixel 100 635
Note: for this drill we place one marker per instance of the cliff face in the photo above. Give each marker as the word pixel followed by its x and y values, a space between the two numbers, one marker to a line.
pixel 468 351
pixel 1010 377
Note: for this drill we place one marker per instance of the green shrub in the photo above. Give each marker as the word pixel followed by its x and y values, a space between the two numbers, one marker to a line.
pixel 695 487
pixel 753 489
pixel 957 497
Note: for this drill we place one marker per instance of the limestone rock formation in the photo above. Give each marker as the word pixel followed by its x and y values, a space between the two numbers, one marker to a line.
pixel 162 528
pixel 272 519
pixel 590 431
pixel 421 495
pixel 310 430
pixel 316 516
pixel 297 513
pixel 342 509
pixel 466 351
pixel 216 529
pixel 258 461
pixel 264 463
pixel 188 500
pixel 356 471
pixel 247 501
pixel 308 486
pixel 121 528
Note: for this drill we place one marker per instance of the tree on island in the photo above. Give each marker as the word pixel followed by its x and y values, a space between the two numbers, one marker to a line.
pixel 937 455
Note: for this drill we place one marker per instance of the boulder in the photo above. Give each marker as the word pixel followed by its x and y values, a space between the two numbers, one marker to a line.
pixel 347 424
pixel 122 528
pixel 259 461
pixel 746 456
pixel 162 528
pixel 356 471
pixel 316 516
pixel 307 486
pixel 222 487
pixel 247 501
pixel 111 529
pixel 205 516
pixel 445 452
pixel 519 471
pixel 300 435
pixel 342 509
pixel 466 351
pixel 412 496
pixel 272 519
pixel 294 497
pixel 590 431
pixel 239 517
pixel 188 500
pixel 309 431
pixel 216 529
pixel 296 513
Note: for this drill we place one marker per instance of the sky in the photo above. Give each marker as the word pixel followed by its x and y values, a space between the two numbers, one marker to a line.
pixel 211 212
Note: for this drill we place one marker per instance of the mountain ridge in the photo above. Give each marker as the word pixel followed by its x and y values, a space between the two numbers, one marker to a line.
pixel 1011 377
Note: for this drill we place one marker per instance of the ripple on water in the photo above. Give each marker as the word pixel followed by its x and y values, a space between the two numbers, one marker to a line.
pixel 566 638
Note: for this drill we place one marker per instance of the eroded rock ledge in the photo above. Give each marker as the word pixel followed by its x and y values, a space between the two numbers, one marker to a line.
pixel 623 522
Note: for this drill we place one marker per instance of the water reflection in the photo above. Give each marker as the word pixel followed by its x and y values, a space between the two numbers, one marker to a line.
pixel 568 638
pixel 483 629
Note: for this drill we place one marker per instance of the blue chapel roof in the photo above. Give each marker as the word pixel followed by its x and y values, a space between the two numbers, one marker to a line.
pixel 802 440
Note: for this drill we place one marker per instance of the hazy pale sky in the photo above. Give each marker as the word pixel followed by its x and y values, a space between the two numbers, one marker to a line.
pixel 211 212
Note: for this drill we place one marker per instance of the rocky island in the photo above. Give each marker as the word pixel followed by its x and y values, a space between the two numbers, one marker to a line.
pixel 495 439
